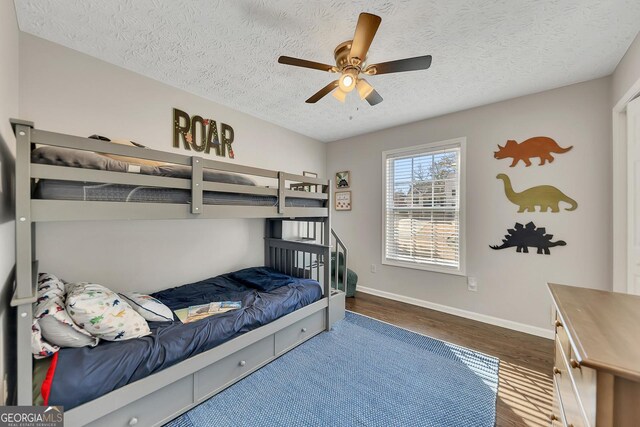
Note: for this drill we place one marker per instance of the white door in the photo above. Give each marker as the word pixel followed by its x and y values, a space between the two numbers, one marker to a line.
pixel 633 196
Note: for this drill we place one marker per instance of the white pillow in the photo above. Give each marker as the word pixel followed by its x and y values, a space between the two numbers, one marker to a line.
pixel 65 333
pixel 52 326
pixel 103 313
pixel 148 307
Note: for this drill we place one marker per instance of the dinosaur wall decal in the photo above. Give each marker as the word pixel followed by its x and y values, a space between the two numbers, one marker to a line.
pixel 539 146
pixel 523 237
pixel 545 196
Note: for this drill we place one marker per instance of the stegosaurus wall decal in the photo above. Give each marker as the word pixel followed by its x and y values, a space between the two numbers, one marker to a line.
pixel 522 237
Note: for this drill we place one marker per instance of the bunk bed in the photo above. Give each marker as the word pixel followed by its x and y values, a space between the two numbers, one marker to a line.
pixel 55 188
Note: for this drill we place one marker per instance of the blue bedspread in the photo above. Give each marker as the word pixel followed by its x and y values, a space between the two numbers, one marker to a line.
pixel 84 374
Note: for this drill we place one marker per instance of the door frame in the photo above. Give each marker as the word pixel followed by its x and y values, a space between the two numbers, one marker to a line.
pixel 619 190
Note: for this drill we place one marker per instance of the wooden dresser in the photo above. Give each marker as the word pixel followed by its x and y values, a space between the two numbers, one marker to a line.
pixel 597 362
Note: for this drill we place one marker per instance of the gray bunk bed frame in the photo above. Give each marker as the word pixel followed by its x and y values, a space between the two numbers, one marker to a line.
pixel 164 395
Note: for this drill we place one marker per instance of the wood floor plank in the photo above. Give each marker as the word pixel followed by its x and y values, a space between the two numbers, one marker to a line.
pixel 525 393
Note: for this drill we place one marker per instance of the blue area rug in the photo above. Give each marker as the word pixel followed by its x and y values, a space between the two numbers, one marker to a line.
pixel 362 373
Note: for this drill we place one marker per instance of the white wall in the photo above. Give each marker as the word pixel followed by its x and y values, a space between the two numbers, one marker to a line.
pixel 511 285
pixel 624 87
pixel 627 72
pixel 66 91
pixel 8 109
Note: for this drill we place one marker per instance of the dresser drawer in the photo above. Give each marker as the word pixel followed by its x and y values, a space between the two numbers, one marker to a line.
pixel 586 381
pixel 299 331
pixel 151 410
pixel 233 367
pixel 557 413
pixel 570 405
pixel 561 335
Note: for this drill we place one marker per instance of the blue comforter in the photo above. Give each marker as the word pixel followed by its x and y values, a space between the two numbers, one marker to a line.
pixel 84 374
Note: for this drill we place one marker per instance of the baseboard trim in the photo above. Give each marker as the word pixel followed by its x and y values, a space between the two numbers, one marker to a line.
pixel 509 324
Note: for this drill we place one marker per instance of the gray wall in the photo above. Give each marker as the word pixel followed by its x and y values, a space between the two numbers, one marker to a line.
pixel 627 72
pixel 511 285
pixel 8 109
pixel 67 91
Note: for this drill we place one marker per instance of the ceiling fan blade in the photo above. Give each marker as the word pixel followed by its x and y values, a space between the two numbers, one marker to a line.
pixel 287 60
pixel 401 65
pixel 322 92
pixel 365 31
pixel 374 98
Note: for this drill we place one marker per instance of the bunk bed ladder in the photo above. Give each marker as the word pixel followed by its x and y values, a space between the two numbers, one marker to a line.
pixel 341 253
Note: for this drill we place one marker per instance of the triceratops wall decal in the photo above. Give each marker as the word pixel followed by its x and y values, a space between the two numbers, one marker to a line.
pixel 523 237
pixel 539 146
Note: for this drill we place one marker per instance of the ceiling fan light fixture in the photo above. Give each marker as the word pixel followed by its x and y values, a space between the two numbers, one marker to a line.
pixel 347 82
pixel 364 89
pixel 339 95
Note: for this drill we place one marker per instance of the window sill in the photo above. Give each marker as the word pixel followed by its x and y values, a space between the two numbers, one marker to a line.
pixel 425 267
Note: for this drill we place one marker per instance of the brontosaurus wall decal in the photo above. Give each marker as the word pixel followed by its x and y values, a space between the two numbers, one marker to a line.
pixel 522 237
pixel 539 146
pixel 545 196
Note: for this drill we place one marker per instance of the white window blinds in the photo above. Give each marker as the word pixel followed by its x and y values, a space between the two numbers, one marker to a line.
pixel 422 207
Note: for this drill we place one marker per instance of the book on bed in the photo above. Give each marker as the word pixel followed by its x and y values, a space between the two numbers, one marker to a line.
pixel 201 311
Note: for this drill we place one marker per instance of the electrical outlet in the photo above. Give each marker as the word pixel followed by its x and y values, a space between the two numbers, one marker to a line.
pixel 374 268
pixel 472 284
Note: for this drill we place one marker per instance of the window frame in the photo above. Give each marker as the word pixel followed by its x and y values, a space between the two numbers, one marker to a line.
pixel 460 143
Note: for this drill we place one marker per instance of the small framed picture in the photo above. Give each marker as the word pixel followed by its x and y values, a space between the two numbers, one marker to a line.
pixel 343 200
pixel 343 179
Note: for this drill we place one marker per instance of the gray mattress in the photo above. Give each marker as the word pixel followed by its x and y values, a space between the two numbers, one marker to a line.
pixel 91 191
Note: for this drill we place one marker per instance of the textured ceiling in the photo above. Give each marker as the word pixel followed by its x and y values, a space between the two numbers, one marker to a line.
pixel 226 51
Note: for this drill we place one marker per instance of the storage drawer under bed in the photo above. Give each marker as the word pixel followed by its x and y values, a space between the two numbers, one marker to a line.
pixel 232 368
pixel 144 412
pixel 300 331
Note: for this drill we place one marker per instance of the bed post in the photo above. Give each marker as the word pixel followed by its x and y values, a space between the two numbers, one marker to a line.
pixel 326 240
pixel 25 291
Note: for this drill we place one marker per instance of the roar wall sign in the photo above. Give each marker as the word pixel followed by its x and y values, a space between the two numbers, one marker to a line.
pixel 200 134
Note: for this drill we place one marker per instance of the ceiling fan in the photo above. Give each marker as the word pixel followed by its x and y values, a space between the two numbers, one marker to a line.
pixel 351 59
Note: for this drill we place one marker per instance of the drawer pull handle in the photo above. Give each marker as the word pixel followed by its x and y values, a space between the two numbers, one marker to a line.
pixel 556 371
pixel 558 323
pixel 304 329
pixel 242 363
pixel 133 421
pixel 574 363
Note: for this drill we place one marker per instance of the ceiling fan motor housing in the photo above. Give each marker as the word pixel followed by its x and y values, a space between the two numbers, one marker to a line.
pixel 341 54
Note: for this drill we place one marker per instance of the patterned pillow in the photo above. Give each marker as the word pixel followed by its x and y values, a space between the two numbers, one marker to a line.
pixel 103 313
pixel 52 326
pixel 148 307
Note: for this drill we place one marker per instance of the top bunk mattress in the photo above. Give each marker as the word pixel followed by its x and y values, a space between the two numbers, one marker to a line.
pixel 59 156
pixel 83 374
pixel 92 191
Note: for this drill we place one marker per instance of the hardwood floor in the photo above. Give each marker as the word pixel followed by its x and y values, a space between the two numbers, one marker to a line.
pixel 525 393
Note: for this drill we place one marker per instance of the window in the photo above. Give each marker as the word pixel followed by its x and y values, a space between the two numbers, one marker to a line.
pixel 423 207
